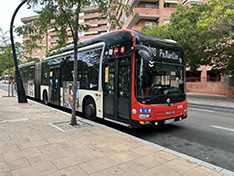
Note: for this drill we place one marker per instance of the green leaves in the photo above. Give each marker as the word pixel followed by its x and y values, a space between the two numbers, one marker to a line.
pixel 6 56
pixel 205 31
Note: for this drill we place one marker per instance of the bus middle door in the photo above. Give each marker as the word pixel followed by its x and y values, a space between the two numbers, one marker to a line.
pixel 54 85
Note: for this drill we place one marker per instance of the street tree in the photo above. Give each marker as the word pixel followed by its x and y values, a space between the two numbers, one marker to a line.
pixel 6 58
pixel 61 15
pixel 219 22
pixel 205 31
pixel 183 29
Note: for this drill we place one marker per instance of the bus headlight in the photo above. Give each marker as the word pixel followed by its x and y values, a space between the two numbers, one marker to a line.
pixel 185 110
pixel 144 116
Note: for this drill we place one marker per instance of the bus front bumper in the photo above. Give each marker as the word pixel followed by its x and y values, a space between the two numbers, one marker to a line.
pixel 137 124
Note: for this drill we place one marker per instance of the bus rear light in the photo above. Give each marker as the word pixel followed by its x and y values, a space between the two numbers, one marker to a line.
pixel 144 116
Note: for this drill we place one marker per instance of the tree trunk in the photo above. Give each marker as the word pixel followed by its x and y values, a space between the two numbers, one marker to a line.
pixel 75 85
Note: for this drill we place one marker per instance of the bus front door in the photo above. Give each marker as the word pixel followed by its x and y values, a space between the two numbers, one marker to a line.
pixel 109 88
pixel 117 89
pixel 54 88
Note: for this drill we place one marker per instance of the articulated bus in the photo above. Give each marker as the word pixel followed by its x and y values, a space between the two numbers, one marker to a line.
pixel 7 79
pixel 123 76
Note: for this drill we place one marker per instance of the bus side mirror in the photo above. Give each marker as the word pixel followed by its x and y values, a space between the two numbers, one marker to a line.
pixel 144 52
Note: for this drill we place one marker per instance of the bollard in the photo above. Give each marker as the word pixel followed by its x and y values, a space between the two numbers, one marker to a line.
pixel 9 88
pixel 12 90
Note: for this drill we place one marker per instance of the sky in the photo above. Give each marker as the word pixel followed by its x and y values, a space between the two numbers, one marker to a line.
pixel 7 9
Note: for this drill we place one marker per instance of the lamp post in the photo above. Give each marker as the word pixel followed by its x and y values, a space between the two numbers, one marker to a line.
pixel 20 88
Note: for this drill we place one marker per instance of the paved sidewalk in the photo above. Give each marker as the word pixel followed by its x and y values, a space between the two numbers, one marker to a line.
pixel 212 100
pixel 37 140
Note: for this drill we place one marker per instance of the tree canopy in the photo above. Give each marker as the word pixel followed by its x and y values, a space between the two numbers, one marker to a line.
pixel 205 31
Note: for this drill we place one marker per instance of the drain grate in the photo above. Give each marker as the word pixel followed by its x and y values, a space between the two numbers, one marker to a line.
pixel 65 125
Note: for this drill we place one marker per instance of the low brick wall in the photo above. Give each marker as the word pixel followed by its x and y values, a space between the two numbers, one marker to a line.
pixel 218 88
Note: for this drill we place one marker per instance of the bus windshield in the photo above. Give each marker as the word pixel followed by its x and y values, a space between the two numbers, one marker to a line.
pixel 156 82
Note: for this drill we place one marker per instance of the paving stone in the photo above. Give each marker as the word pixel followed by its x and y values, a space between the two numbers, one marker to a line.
pixel 70 171
pixel 97 165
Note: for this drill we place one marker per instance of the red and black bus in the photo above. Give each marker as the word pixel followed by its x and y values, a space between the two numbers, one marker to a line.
pixel 123 76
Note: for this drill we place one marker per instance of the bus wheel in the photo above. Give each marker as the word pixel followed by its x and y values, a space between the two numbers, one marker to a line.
pixel 45 98
pixel 90 109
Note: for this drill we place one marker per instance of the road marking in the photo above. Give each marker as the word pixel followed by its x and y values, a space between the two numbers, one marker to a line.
pixel 13 120
pixel 223 128
pixel 205 110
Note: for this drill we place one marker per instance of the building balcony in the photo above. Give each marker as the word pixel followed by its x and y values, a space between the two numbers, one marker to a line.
pixel 143 13
pixel 91 16
pixel 90 9
pixel 99 22
pixel 27 20
pixel 134 3
pixel 99 29
pixel 185 2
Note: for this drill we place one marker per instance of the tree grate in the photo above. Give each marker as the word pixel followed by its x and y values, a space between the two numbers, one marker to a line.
pixel 65 125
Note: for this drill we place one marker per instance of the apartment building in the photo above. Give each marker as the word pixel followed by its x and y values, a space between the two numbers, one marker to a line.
pixel 90 16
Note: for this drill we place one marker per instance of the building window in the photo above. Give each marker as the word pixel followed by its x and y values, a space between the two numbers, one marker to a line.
pixel 166 20
pixel 124 19
pixel 150 23
pixel 81 34
pixel 170 5
pixel 151 6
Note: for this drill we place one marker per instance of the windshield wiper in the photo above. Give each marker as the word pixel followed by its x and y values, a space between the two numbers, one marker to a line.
pixel 180 92
pixel 159 95
pixel 168 91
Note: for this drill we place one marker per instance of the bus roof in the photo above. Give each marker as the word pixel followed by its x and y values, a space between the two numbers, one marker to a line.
pixel 124 35
pixel 27 64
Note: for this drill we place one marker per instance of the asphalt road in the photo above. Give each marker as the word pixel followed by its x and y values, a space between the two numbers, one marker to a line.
pixel 4 86
pixel 206 134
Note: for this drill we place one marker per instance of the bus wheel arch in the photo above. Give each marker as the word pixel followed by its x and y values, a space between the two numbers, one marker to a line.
pixel 89 108
pixel 45 97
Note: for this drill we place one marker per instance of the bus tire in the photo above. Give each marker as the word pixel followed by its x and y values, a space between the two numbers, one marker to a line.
pixel 90 109
pixel 45 97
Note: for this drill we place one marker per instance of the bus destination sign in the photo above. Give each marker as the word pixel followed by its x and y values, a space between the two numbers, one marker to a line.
pixel 163 54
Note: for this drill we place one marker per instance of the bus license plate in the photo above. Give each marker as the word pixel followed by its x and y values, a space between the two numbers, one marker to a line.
pixel 169 121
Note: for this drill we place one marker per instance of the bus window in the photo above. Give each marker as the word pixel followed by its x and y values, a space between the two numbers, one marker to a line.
pixel 90 69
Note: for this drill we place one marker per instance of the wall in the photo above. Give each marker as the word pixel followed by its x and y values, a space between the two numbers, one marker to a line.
pixel 218 88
